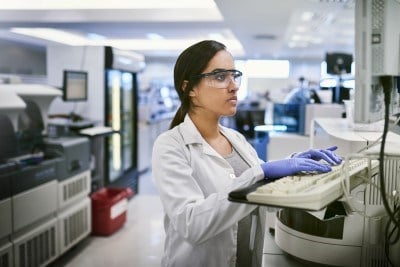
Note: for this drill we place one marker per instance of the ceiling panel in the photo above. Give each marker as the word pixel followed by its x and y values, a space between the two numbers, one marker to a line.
pixel 265 28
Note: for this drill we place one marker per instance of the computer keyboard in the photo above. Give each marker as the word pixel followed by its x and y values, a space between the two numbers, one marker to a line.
pixel 307 191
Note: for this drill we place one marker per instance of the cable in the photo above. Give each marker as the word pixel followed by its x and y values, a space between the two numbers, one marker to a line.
pixel 386 82
pixel 392 228
pixel 346 190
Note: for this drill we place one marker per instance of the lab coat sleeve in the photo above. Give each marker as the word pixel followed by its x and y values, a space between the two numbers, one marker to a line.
pixel 196 217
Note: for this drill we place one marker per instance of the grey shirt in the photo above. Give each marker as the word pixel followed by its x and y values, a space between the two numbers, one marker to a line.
pixel 247 254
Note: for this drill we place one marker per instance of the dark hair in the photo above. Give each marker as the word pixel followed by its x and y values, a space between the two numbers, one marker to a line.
pixel 190 63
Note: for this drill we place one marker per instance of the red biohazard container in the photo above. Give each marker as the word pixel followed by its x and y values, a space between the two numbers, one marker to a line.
pixel 109 208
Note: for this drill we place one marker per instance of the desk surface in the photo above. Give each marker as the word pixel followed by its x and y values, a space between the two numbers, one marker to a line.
pixel 339 129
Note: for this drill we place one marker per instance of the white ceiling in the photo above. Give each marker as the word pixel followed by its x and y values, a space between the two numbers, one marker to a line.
pixel 264 28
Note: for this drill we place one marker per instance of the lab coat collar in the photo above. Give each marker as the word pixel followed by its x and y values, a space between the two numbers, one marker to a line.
pixel 191 135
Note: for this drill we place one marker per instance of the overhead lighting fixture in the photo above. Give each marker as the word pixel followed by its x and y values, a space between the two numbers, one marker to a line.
pixel 167 44
pixel 307 16
pixel 96 4
pixel 54 35
pixel 215 36
pixel 267 68
pixel 301 29
pixel 154 36
pixel 95 36
pixel 297 37
pixel 74 39
pixel 297 44
pixel 316 40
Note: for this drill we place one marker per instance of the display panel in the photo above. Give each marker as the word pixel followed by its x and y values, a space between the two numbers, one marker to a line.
pixel 338 63
pixel 75 85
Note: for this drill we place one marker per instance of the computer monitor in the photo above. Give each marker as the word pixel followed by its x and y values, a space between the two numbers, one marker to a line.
pixel 75 85
pixel 338 63
pixel 377 53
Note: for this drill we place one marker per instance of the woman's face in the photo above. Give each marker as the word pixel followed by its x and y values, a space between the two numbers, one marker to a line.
pixel 216 95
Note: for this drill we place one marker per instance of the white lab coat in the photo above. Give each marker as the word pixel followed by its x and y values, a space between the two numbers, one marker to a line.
pixel 193 182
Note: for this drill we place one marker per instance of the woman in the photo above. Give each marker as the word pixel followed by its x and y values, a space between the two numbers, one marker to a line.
pixel 198 162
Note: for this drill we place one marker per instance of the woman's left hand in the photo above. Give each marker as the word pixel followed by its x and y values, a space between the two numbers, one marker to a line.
pixel 317 154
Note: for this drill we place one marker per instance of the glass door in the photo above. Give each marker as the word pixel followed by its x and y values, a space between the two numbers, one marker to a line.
pixel 113 120
pixel 121 117
pixel 127 117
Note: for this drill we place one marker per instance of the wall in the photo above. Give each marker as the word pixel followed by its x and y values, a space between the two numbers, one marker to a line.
pixel 90 59
pixel 279 88
pixel 17 58
pixel 157 69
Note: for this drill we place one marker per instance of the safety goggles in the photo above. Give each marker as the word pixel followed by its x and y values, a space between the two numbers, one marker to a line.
pixel 221 78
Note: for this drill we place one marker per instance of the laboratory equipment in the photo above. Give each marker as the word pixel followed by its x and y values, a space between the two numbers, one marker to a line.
pixel 377 53
pixel 44 184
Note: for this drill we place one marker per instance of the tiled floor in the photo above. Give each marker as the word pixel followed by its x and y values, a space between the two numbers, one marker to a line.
pixel 138 243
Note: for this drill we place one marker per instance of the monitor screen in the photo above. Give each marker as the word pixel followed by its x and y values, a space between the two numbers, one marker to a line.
pixel 75 85
pixel 338 63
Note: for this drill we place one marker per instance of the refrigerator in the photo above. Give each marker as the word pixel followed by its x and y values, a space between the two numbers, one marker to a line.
pixel 121 115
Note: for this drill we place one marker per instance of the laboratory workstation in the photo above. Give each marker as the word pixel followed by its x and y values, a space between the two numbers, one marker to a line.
pixel 207 133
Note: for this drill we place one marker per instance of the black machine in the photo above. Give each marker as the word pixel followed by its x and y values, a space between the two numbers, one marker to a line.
pixel 338 64
pixel 247 119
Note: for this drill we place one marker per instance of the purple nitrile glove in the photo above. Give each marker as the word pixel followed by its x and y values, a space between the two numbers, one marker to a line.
pixel 317 154
pixel 285 167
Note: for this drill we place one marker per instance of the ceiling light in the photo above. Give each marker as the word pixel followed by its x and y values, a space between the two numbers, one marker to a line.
pixel 158 45
pixel 297 37
pixel 154 36
pixel 316 40
pixel 307 16
pixel 96 4
pixel 301 29
pixel 167 44
pixel 95 36
pixel 267 68
pixel 54 35
pixel 297 44
pixel 215 36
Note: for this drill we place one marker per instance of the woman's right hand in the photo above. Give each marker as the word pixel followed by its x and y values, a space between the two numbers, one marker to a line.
pixel 285 167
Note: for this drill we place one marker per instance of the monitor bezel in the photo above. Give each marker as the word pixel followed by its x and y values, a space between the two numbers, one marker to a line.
pixel 66 73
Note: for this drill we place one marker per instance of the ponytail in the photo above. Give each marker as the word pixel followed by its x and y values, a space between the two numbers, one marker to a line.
pixel 178 118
